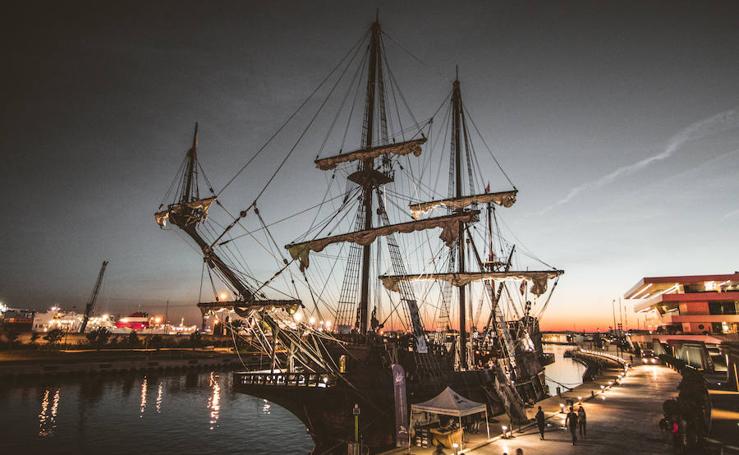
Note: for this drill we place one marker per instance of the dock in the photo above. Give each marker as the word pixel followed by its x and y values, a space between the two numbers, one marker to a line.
pixel 70 362
pixel 623 412
pixel 622 419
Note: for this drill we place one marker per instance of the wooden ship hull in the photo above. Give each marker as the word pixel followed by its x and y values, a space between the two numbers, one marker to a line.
pixel 324 402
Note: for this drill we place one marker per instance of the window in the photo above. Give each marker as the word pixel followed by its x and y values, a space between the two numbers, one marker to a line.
pixel 722 307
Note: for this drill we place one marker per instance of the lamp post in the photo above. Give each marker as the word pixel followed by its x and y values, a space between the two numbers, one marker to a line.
pixel 355 411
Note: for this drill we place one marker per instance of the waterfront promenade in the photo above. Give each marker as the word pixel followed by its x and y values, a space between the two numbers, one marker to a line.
pixel 622 420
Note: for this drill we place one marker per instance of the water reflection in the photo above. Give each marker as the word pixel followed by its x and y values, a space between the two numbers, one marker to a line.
pixel 142 405
pixel 266 407
pixel 160 396
pixel 48 412
pixel 108 412
pixel 214 400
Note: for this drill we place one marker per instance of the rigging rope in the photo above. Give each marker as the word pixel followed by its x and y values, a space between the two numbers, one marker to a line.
pixel 279 130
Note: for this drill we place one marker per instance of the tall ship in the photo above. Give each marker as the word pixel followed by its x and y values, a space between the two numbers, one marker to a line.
pixel 393 290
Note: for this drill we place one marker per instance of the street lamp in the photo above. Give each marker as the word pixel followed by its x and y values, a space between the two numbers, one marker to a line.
pixel 356 411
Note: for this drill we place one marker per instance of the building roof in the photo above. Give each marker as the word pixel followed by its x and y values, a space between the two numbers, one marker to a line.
pixel 652 284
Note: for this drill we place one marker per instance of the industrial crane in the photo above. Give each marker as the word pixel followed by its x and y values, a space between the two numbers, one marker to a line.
pixel 93 297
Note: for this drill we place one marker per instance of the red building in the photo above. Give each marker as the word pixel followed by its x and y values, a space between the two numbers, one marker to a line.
pixel 697 304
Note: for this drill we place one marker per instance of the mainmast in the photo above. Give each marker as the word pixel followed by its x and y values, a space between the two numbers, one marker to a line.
pixel 457 144
pixel 367 170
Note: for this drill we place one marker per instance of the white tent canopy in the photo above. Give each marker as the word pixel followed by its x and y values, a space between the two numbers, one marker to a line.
pixel 450 403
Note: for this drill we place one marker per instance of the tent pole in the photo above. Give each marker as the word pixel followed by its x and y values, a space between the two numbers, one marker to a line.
pixel 462 429
pixel 487 426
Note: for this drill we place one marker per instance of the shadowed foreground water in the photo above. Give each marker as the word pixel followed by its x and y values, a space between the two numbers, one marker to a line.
pixel 164 413
pixel 144 413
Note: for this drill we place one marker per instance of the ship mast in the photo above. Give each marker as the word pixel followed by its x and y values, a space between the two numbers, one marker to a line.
pixel 457 144
pixel 188 212
pixel 367 168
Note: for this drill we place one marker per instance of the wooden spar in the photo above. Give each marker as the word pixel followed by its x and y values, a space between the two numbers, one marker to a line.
pixel 539 278
pixel 192 159
pixel 400 148
pixel 448 223
pixel 503 198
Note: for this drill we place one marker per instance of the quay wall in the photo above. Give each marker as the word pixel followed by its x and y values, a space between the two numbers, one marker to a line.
pixel 111 364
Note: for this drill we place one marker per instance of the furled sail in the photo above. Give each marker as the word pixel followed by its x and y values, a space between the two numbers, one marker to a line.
pixel 400 148
pixel 504 198
pixel 539 278
pixel 449 234
pixel 196 211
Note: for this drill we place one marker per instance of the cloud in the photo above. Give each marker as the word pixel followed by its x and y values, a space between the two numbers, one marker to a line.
pixel 718 123
pixel 731 214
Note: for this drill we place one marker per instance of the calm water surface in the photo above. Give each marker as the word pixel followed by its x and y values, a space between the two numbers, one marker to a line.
pixel 178 413
pixel 564 370
pixel 165 413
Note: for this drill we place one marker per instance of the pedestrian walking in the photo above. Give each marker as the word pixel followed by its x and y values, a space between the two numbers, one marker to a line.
pixel 540 422
pixel 571 423
pixel 582 421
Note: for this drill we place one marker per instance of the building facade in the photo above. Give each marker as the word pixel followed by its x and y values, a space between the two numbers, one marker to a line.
pixel 691 305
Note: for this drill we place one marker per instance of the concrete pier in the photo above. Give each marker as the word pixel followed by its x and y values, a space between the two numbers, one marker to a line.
pixel 622 419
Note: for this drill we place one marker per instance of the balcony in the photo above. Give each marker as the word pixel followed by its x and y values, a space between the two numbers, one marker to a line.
pixel 675 299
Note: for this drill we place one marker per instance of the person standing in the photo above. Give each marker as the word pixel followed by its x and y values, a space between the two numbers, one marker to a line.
pixel 582 421
pixel 540 422
pixel 571 423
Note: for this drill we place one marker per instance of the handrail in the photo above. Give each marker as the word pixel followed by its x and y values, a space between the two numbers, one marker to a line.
pixel 320 380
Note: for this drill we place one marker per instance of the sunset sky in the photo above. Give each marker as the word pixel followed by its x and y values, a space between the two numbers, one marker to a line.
pixel 618 121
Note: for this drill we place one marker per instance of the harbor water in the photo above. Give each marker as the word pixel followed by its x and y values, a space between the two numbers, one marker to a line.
pixel 167 413
pixel 144 413
pixel 564 372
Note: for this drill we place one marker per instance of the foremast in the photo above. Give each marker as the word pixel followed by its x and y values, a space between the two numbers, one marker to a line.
pixel 190 210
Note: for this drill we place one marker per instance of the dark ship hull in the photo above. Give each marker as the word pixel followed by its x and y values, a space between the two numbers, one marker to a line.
pixel 324 402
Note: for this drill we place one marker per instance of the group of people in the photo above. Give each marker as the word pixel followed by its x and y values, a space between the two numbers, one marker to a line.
pixel 575 421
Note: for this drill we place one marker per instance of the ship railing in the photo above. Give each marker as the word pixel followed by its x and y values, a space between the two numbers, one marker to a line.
pixel 320 380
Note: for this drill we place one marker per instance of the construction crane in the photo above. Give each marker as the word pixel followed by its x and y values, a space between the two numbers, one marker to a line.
pixel 93 297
